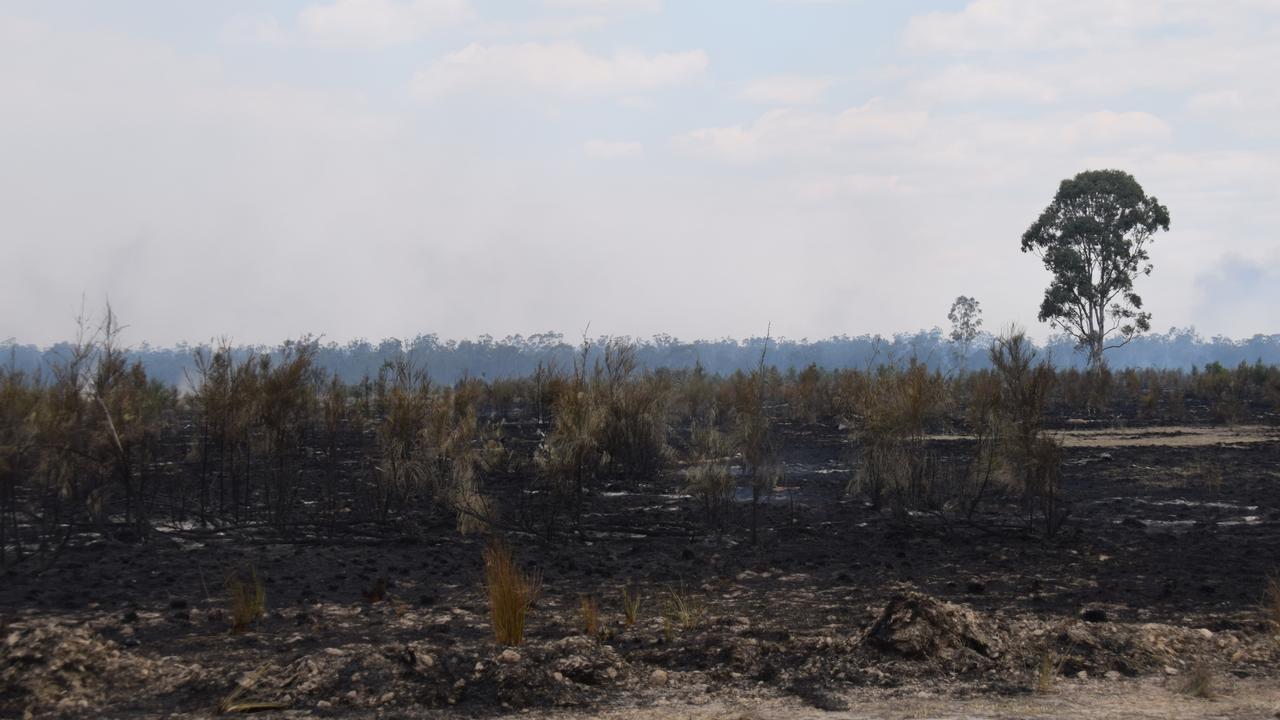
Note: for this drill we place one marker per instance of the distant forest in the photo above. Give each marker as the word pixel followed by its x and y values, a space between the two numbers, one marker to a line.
pixel 515 356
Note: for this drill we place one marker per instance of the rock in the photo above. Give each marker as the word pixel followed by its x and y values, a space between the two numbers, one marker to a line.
pixel 1113 675
pixel 1170 670
pixel 56 666
pixel 829 702
pixel 658 677
pixel 324 704
pixel 822 699
pixel 1205 633
pixel 509 657
pixel 1083 675
pixel 1094 615
pixel 923 628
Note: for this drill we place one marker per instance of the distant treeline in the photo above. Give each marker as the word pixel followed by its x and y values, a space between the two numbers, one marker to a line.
pixel 518 355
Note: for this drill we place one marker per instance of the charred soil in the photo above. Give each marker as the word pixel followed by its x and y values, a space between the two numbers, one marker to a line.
pixel 1159 573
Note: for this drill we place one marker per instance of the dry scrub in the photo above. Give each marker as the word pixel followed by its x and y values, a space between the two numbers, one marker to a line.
pixel 512 593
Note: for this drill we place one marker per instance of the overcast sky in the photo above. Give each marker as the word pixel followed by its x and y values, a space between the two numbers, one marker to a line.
pixel 379 168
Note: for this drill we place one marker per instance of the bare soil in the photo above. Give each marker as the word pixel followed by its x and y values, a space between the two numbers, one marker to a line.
pixel 1158 436
pixel 839 611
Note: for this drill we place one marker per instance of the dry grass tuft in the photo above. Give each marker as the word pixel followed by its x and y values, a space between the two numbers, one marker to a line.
pixel 682 610
pixel 1271 603
pixel 377 593
pixel 234 702
pixel 589 614
pixel 1048 670
pixel 630 605
pixel 511 593
pixel 248 600
pixel 709 476
pixel 1198 683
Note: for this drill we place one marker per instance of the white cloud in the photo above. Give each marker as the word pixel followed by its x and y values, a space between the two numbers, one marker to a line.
pixel 790 133
pixel 254 28
pixel 1087 132
pixel 378 23
pixel 854 185
pixel 1250 113
pixel 539 27
pixel 787 89
pixel 558 69
pixel 1212 60
pixel 605 5
pixel 163 154
pixel 320 177
pixel 966 83
pixel 611 150
pixel 995 150
pixel 1219 101
pixel 1018 25
pixel 565 18
pixel 1231 292
pixel 1228 182
pixel 351 24
pixel 1132 128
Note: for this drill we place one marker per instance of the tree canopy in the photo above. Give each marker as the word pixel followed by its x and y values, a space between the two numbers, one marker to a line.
pixel 966 321
pixel 1094 238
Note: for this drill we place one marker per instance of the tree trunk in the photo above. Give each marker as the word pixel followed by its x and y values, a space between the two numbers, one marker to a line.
pixel 1096 360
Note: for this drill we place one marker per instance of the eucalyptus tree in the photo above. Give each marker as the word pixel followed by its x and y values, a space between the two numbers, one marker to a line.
pixel 966 318
pixel 1094 238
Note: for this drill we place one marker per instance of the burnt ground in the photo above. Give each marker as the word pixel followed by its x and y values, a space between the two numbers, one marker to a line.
pixel 1157 577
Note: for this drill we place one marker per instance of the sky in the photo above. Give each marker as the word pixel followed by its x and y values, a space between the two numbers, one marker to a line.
pixel 700 168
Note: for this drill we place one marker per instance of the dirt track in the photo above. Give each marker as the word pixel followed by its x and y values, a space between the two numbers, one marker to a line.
pixel 1147 699
pixel 1165 436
